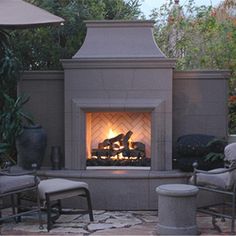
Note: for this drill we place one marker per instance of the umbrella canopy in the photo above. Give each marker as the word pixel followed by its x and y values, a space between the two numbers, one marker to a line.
pixel 20 14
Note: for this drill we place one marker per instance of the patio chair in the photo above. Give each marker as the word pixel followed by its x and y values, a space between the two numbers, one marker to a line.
pixel 222 181
pixel 13 185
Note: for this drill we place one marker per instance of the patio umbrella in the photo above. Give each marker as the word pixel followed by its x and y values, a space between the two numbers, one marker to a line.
pixel 20 14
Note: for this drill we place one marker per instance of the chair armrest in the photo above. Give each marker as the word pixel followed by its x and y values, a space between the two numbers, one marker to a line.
pixel 196 171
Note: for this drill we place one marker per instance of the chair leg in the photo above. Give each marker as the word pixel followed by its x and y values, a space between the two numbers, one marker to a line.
pixel 13 207
pixel 39 210
pixel 49 213
pixel 89 205
pixel 19 210
pixel 233 211
pixel 59 207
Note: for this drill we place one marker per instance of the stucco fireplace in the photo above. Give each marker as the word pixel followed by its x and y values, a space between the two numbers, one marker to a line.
pixel 119 72
pixel 120 79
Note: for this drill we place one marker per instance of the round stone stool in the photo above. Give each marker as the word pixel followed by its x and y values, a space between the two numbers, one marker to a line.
pixel 177 209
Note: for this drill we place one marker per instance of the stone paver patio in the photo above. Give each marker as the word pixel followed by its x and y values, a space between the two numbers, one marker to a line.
pixel 105 223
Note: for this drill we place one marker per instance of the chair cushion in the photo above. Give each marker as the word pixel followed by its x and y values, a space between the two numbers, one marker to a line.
pixel 222 180
pixel 14 183
pixel 58 184
pixel 230 152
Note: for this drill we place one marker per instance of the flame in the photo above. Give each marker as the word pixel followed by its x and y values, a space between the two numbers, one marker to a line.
pixel 111 134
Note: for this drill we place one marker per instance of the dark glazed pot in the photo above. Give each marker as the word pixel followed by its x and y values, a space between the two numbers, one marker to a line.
pixel 31 146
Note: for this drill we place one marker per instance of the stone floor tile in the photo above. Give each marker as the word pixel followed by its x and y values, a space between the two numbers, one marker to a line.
pixel 106 223
pixel 149 218
pixel 146 229
pixel 100 226
pixel 144 212
pixel 70 224
pixel 98 212
pixel 101 217
pixel 68 230
pixel 123 222
pixel 68 218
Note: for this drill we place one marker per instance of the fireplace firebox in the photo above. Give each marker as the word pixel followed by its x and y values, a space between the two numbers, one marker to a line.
pixel 118 138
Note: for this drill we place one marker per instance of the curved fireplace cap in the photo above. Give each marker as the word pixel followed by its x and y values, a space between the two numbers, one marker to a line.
pixel 119 39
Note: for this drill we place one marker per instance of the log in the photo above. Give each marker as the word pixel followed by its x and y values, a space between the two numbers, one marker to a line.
pixel 133 153
pixel 138 146
pixel 125 141
pixel 112 147
pixel 111 141
pixel 101 152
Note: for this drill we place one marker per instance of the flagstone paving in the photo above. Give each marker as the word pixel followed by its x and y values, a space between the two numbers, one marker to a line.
pixel 105 223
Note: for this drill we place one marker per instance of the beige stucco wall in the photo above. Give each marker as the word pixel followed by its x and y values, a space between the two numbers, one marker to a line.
pixel 46 104
pixel 199 103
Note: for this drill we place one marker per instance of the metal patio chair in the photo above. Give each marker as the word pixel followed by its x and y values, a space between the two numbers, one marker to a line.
pixel 222 181
pixel 13 185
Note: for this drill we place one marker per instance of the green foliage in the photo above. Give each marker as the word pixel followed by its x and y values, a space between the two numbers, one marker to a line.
pixel 5 158
pixel 216 150
pixel 212 157
pixel 10 66
pixel 42 48
pixel 12 119
pixel 200 38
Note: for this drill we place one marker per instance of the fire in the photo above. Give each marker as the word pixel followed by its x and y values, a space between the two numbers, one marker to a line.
pixel 111 134
pixel 119 146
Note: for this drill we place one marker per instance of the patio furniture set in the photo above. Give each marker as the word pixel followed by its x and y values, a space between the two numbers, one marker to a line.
pixel 49 194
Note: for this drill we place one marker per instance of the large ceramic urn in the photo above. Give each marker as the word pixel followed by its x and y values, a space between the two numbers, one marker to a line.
pixel 31 146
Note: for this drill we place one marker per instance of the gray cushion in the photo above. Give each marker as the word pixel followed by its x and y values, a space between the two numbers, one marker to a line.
pixel 222 180
pixel 14 183
pixel 58 184
pixel 230 152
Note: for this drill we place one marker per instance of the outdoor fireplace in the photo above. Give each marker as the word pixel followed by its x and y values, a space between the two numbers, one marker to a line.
pixel 119 70
pixel 119 81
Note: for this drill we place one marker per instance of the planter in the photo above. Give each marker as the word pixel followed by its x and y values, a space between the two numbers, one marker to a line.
pixel 31 146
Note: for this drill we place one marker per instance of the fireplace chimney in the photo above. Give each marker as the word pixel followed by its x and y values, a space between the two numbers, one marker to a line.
pixel 119 39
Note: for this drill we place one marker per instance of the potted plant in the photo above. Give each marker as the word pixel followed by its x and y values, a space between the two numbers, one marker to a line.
pixel 18 133
pixel 24 140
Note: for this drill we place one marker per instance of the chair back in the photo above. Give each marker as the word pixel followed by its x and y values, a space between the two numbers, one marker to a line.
pixel 230 154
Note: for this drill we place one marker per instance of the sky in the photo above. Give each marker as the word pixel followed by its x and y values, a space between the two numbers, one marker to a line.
pixel 148 5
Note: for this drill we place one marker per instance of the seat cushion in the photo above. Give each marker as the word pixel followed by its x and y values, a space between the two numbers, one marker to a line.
pixel 13 183
pixel 222 180
pixel 58 184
